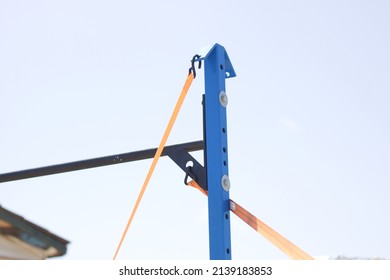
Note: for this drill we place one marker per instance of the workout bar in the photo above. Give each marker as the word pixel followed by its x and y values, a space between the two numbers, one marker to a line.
pixel 96 162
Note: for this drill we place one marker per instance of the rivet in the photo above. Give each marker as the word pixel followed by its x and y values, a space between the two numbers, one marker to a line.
pixel 223 99
pixel 225 182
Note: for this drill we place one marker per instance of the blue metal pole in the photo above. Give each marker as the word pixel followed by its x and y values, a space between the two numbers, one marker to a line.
pixel 217 68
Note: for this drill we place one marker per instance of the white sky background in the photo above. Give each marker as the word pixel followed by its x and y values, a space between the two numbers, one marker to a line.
pixel 308 122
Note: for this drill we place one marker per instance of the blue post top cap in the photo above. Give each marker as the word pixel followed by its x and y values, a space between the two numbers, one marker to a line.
pixel 206 51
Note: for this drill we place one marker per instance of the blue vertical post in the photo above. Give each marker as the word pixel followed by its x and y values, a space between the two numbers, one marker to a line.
pixel 217 68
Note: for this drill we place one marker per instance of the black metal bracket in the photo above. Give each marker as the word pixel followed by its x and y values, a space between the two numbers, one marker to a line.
pixel 185 160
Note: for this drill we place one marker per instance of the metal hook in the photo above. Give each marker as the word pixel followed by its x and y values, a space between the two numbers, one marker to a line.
pixel 188 174
pixel 192 69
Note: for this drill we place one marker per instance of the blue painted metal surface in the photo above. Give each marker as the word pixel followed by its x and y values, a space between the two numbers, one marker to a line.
pixel 217 67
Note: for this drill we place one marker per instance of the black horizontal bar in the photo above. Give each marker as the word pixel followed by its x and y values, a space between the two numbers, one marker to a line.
pixel 96 162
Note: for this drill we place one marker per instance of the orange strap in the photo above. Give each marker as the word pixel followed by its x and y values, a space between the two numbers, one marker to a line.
pixel 160 149
pixel 270 234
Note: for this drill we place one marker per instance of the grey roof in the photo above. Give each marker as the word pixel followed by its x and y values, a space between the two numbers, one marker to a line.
pixel 30 233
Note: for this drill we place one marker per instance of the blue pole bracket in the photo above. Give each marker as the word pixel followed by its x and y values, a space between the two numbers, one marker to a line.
pixel 217 67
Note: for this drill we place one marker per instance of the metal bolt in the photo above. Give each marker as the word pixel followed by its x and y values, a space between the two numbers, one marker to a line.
pixel 223 99
pixel 232 206
pixel 225 182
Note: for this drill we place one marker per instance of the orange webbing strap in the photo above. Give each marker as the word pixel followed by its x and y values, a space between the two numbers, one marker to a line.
pixel 195 185
pixel 160 149
pixel 271 235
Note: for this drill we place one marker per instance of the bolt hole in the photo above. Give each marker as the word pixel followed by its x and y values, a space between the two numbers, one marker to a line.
pixel 224 149
pixel 227 74
pixel 224 162
pixel 189 163
pixel 223 130
pixel 227 216
pixel 228 251
pixel 221 66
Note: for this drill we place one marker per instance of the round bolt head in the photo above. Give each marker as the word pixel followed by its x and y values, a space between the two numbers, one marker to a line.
pixel 225 182
pixel 223 99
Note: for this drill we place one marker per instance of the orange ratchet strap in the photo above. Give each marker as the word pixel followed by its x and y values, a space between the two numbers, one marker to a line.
pixel 270 234
pixel 157 156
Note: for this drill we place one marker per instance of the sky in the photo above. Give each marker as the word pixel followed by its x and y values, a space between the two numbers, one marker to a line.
pixel 308 122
